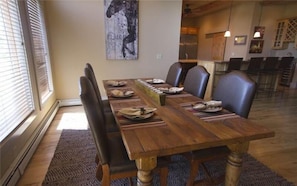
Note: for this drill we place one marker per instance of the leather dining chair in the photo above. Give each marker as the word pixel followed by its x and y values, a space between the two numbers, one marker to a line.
pixel 114 162
pixel 91 74
pixel 174 74
pixel 236 91
pixel 196 81
pixel 108 117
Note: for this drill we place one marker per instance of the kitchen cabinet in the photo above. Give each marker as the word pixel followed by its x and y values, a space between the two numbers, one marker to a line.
pixel 188 43
pixel 285 32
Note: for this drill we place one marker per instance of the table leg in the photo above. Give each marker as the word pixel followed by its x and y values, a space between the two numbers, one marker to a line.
pixel 144 173
pixel 234 163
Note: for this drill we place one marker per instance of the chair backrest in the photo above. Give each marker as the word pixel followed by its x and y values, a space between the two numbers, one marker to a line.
pixel 270 63
pixel 236 91
pixel 95 118
pixel 234 63
pixel 286 62
pixel 255 64
pixel 89 73
pixel 174 74
pixel 196 81
pixel 88 65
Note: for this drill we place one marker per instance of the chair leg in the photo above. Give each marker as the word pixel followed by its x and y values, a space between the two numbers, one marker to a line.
pixel 99 172
pixel 163 176
pixel 106 176
pixel 193 172
pixel 130 181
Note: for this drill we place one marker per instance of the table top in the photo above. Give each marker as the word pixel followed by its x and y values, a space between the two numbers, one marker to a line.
pixel 176 128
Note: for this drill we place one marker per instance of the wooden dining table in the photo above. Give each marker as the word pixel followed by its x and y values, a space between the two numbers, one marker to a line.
pixel 177 128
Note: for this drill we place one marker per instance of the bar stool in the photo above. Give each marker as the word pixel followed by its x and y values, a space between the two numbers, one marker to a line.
pixel 234 64
pixel 254 67
pixel 268 75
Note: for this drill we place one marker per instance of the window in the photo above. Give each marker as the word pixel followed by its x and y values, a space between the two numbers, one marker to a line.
pixel 16 94
pixel 40 50
pixel 16 101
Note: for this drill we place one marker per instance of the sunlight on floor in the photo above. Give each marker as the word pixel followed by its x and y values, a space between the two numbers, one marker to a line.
pixel 73 121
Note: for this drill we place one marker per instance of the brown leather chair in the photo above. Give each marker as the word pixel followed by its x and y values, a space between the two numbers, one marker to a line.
pixel 91 74
pixel 114 162
pixel 236 91
pixel 174 74
pixel 108 117
pixel 196 81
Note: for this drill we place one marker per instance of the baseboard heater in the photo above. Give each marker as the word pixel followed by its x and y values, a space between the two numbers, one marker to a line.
pixel 24 158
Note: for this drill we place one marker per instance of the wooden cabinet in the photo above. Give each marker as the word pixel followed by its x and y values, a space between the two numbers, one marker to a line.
pixel 285 32
pixel 280 32
pixel 188 45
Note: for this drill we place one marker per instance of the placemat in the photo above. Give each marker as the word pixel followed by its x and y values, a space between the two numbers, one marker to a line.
pixel 209 116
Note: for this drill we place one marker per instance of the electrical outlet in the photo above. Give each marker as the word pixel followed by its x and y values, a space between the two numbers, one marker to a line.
pixel 159 56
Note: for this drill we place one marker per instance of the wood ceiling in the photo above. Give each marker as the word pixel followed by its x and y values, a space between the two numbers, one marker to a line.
pixel 196 8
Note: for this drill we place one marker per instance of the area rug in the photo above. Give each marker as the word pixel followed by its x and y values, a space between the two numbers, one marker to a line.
pixel 74 164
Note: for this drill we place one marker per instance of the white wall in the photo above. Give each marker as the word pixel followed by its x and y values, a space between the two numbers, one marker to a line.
pixel 76 36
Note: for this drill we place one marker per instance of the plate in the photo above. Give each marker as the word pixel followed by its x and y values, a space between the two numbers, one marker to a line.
pixel 130 111
pixel 212 109
pixel 139 117
pixel 155 81
pixel 116 83
pixel 121 94
pixel 172 90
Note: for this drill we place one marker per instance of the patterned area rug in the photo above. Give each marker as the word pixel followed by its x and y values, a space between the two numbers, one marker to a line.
pixel 74 164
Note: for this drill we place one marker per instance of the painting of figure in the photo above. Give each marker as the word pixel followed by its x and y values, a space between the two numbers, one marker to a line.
pixel 121 29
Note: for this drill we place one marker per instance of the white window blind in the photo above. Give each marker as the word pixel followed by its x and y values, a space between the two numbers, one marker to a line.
pixel 40 50
pixel 16 101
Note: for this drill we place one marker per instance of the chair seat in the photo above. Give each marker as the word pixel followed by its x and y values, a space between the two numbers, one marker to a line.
pixel 119 160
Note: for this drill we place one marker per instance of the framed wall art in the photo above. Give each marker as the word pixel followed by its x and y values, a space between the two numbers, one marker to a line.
pixel 121 29
pixel 256 46
pixel 240 40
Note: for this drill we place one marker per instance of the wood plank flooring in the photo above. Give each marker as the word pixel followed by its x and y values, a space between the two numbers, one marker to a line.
pixel 278 113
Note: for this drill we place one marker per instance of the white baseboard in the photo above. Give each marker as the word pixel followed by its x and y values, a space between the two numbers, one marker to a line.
pixel 73 102
pixel 69 102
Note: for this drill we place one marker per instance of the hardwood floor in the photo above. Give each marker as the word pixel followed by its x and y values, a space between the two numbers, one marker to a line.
pixel 278 113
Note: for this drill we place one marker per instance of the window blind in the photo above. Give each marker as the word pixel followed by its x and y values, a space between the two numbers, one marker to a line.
pixel 16 101
pixel 40 50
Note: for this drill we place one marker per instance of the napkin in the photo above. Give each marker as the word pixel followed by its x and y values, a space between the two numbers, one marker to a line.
pixel 137 111
pixel 213 103
pixel 120 93
pixel 116 83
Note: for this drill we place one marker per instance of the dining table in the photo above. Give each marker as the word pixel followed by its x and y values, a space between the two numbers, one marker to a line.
pixel 176 128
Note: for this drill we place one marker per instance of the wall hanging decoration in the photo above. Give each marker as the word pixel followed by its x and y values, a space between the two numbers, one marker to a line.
pixel 256 46
pixel 240 40
pixel 121 29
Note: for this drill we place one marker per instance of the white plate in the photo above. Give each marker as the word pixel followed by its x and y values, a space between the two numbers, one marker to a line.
pixel 136 111
pixel 116 83
pixel 173 90
pixel 139 117
pixel 212 109
pixel 155 81
pixel 121 94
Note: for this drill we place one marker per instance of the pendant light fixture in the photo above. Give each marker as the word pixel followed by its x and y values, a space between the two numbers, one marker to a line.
pixel 257 34
pixel 228 33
